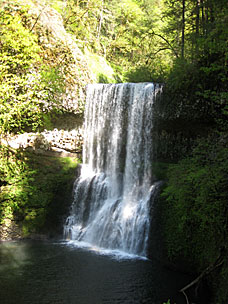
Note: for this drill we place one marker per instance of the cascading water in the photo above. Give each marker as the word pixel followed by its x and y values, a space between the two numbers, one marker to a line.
pixel 114 193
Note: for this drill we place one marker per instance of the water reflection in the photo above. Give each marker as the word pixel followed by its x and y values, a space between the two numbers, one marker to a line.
pixel 13 256
pixel 53 273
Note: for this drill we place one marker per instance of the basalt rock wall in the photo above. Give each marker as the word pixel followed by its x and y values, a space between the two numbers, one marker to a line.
pixel 177 127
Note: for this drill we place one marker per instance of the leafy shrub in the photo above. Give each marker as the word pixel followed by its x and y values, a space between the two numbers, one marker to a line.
pixel 19 52
pixel 195 204
pixel 28 87
pixel 33 188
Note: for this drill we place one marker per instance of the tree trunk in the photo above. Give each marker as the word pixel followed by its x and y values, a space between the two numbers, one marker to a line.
pixel 197 17
pixel 203 16
pixel 183 29
pixel 100 22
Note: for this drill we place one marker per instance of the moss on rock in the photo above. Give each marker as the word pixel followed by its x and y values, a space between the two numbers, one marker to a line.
pixel 35 193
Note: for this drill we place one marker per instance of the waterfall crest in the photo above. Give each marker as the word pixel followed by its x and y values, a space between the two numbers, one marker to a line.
pixel 113 195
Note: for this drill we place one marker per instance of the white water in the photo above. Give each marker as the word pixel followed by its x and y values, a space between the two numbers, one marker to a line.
pixel 114 194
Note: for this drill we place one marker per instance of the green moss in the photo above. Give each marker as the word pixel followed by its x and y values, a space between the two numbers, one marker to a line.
pixel 36 190
pixel 53 180
pixel 102 71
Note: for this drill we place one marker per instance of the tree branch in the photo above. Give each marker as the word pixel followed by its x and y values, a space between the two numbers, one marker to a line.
pixel 186 297
pixel 37 18
pixel 208 270
pixel 155 53
pixel 166 40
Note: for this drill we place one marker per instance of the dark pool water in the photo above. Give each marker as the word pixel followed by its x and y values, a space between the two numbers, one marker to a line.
pixel 36 272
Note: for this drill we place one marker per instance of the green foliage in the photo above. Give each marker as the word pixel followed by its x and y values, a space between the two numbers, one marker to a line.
pixel 100 68
pixel 52 83
pixel 139 74
pixel 18 53
pixel 28 88
pixel 118 30
pixel 32 187
pixel 195 205
pixel 15 177
pixel 219 284
pixel 198 94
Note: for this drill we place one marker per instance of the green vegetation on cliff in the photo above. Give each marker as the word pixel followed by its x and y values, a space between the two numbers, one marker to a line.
pixel 194 110
pixel 18 54
pixel 195 215
pixel 42 71
pixel 35 192
pixel 38 82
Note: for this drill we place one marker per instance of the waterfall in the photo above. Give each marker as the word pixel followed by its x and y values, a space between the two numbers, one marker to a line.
pixel 114 193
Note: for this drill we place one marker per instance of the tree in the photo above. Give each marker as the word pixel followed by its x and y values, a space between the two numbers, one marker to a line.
pixel 183 29
pixel 19 52
pixel 28 87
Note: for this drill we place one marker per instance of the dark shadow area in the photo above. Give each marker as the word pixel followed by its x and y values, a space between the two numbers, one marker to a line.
pixel 64 121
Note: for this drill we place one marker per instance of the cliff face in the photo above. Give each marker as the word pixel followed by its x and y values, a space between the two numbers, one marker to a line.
pixel 178 126
pixel 60 50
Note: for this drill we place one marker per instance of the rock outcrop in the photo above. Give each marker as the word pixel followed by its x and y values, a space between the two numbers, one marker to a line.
pixel 53 140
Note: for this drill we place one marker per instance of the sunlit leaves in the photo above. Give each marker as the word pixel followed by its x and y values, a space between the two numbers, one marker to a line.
pixel 28 88
pixel 19 51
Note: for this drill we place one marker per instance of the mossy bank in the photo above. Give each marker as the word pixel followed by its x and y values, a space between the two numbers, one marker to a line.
pixel 36 192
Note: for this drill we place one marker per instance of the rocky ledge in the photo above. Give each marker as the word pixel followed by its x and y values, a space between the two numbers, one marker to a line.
pixel 56 141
